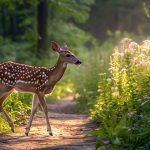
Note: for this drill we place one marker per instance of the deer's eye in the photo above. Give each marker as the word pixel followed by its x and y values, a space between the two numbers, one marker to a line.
pixel 68 55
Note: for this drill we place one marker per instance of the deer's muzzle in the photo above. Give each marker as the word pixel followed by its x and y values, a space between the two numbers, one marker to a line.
pixel 78 62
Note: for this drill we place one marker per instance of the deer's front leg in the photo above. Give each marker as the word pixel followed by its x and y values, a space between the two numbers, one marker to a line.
pixel 35 103
pixel 42 101
pixel 3 113
pixel 7 118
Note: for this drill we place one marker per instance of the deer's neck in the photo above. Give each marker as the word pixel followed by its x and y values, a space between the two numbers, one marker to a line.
pixel 57 71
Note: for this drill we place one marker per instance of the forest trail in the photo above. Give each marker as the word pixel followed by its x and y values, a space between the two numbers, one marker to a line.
pixel 71 130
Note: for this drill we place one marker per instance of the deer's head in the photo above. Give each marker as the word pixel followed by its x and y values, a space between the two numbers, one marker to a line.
pixel 65 54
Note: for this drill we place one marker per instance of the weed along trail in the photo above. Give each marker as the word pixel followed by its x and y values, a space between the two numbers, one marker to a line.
pixel 71 130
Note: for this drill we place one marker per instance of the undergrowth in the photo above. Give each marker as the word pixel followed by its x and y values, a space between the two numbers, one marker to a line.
pixel 86 77
pixel 18 107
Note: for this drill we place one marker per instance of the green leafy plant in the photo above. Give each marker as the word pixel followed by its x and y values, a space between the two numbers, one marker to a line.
pixel 18 107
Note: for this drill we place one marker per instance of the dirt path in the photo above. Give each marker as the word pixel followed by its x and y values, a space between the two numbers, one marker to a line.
pixel 70 131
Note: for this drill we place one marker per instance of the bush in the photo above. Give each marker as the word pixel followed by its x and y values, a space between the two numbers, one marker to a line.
pixel 62 90
pixel 18 107
pixel 122 110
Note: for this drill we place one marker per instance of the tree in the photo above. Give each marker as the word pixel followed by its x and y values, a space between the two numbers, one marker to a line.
pixel 42 24
pixel 27 22
pixel 113 15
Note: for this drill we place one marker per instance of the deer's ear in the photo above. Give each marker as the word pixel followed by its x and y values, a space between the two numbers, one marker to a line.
pixel 55 46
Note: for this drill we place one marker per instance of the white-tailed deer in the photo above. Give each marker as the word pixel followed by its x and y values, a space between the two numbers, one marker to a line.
pixel 37 80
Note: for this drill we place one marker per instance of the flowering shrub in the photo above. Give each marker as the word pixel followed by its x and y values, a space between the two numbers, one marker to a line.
pixel 122 111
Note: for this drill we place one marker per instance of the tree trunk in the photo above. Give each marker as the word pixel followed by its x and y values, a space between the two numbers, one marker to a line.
pixel 42 22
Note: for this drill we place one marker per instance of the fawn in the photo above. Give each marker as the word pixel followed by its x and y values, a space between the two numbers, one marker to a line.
pixel 37 80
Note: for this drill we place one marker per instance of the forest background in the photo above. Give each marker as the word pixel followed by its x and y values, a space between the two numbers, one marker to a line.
pixel 91 29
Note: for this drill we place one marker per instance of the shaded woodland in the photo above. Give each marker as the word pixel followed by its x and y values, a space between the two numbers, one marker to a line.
pixel 111 85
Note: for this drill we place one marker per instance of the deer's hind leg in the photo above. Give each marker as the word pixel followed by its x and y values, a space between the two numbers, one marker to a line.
pixel 35 103
pixel 3 113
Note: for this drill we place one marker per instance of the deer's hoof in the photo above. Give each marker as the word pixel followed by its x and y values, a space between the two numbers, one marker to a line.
pixel 51 134
pixel 26 134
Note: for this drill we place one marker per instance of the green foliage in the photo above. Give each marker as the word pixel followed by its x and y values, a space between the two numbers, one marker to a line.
pixel 18 28
pixel 146 7
pixel 64 25
pixel 61 90
pixel 86 79
pixel 76 10
pixel 123 15
pixel 18 107
pixel 15 52
pixel 87 76
pixel 67 34
pixel 122 110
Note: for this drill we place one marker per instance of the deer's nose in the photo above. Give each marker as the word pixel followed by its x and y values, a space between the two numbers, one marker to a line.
pixel 78 62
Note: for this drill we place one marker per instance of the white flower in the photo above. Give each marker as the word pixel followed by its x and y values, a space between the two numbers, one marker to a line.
pixel 141 55
pixel 145 47
pixel 115 94
pixel 133 46
pixel 108 79
pixel 124 69
pixel 131 114
pixel 146 63
pixel 112 68
pixel 117 54
pixel 146 41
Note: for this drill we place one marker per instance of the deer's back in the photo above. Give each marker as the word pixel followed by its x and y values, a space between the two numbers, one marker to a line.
pixel 13 73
